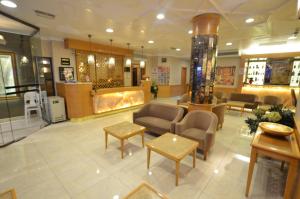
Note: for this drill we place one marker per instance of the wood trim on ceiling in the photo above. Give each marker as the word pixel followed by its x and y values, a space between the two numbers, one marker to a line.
pixel 272 55
pixel 96 47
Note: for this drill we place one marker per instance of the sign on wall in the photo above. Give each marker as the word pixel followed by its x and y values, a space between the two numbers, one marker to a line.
pixel 65 61
pixel 225 75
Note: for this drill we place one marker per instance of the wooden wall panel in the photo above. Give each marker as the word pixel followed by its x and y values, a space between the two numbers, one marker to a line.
pixel 78 99
pixel 95 47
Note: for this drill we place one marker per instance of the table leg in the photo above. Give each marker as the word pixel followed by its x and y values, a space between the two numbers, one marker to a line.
pixel 292 174
pixel 250 170
pixel 148 157
pixel 143 142
pixel 177 172
pixel 122 148
pixel 106 139
pixel 194 158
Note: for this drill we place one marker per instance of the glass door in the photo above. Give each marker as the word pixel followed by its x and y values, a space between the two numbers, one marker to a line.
pixel 7 79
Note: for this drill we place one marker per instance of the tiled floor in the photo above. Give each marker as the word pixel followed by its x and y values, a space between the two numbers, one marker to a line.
pixel 68 160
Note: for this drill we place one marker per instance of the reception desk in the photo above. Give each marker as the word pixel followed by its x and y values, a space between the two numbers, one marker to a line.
pixel 82 101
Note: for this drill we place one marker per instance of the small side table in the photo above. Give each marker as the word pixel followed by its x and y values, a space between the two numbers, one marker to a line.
pixel 283 149
pixel 122 131
pixel 144 190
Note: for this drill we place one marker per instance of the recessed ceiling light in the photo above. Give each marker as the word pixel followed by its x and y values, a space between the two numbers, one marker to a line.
pixel 110 30
pixel 178 49
pixel 151 42
pixel 190 32
pixel 88 10
pixel 9 3
pixel 1 37
pixel 160 16
pixel 229 44
pixel 142 31
pixel 292 37
pixel 249 20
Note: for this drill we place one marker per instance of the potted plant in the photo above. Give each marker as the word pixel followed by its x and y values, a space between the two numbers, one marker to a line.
pixel 276 114
pixel 154 89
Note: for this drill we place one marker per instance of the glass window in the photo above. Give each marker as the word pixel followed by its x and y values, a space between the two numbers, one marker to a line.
pixel 7 74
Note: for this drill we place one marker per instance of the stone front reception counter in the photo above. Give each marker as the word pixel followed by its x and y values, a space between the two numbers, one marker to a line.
pixel 82 101
pixel 110 99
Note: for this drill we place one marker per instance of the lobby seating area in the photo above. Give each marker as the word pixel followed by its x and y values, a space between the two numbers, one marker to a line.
pixel 144 99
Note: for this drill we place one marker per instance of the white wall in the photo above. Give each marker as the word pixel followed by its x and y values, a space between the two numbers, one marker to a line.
pixel 56 50
pixel 230 61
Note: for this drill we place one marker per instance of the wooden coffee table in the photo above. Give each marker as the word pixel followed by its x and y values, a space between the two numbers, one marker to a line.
pixel 122 131
pixel 144 191
pixel 173 147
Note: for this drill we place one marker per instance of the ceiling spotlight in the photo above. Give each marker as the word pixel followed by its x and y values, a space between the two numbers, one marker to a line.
pixel 151 42
pixel 8 3
pixel 292 37
pixel 160 16
pixel 190 32
pixel 178 49
pixel 110 30
pixel 142 31
pixel 249 20
pixel 88 10
pixel 229 44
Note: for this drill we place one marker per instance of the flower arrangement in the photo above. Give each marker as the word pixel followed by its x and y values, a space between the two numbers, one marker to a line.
pixel 276 114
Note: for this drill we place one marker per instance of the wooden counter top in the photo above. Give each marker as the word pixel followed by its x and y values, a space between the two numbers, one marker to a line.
pixel 115 90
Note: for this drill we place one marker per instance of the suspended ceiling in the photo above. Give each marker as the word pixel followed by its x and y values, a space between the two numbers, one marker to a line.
pixel 275 21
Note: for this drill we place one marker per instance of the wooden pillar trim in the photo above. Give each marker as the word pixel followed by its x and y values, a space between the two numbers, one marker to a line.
pixel 206 24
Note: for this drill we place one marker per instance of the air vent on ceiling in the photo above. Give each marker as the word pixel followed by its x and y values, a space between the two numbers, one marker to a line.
pixel 44 14
pixel 232 53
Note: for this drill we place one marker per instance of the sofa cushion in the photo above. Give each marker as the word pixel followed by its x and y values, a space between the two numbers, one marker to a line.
pixel 163 111
pixel 154 122
pixel 242 97
pixel 194 133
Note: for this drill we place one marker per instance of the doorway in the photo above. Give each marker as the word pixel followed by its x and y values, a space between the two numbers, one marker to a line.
pixel 45 75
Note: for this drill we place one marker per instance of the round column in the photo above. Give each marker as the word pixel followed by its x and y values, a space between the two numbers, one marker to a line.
pixel 203 58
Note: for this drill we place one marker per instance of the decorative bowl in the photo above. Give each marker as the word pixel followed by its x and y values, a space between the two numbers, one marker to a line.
pixel 276 129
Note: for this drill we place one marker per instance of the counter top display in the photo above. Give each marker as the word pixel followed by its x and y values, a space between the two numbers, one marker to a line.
pixel 111 99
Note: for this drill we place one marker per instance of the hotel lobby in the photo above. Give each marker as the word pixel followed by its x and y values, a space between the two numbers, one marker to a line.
pixel 162 99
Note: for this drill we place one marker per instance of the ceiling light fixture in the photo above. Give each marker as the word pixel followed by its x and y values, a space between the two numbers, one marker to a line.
pixel 88 10
pixel 249 20
pixel 1 37
pixel 109 30
pixel 8 3
pixel 128 60
pixel 151 42
pixel 190 32
pixel 178 49
pixel 111 60
pixel 142 31
pixel 293 37
pixel 229 44
pixel 142 62
pixel 160 16
pixel 91 57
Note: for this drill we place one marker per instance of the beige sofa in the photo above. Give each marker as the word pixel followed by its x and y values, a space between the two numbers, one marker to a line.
pixel 200 126
pixel 158 118
pixel 242 101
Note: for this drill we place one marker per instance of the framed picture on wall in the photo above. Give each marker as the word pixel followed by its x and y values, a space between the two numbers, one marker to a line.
pixel 225 75
pixel 66 73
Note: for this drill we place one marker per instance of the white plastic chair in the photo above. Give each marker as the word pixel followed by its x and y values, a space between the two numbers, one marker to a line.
pixel 31 103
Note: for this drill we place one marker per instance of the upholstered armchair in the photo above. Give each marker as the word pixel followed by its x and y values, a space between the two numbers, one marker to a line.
pixel 219 110
pixel 183 99
pixel 200 126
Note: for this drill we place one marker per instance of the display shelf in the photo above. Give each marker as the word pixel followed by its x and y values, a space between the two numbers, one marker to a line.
pixel 256 72
pixel 295 78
